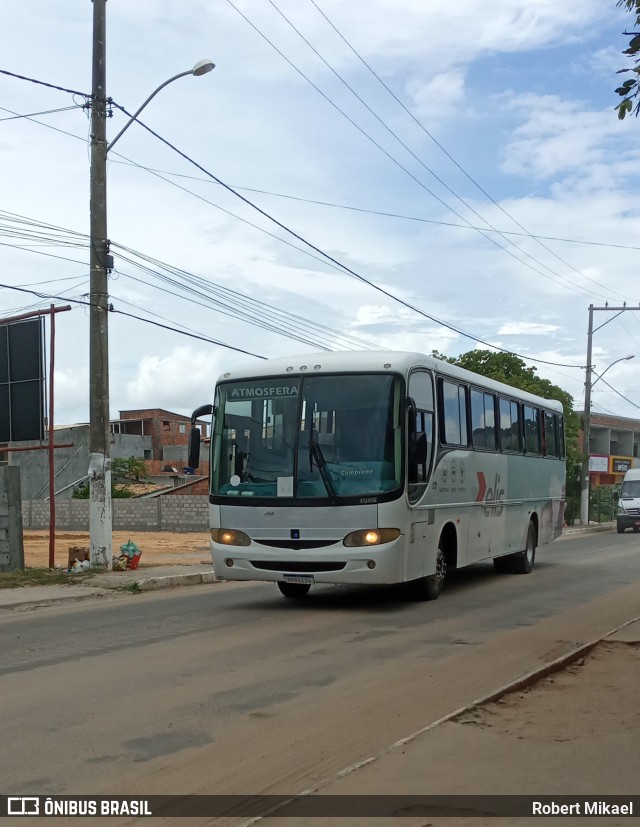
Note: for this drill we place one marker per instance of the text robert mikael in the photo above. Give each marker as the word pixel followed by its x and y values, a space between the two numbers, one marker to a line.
pixel 581 808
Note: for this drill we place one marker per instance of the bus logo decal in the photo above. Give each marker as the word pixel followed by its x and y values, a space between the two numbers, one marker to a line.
pixel 493 498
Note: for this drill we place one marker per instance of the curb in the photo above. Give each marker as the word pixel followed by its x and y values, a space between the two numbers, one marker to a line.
pixel 172 580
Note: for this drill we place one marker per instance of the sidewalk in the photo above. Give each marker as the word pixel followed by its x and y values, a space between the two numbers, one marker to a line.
pixel 143 579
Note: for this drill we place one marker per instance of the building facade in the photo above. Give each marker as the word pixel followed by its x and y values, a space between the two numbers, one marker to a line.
pixel 614 448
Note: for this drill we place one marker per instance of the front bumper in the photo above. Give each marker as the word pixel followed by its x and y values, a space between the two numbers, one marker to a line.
pixel 331 564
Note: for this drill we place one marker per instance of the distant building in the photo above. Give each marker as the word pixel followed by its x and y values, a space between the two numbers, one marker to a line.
pixel 614 447
pixel 158 436
pixel 168 435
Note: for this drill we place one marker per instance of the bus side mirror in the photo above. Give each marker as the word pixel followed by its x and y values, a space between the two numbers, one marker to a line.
pixel 616 496
pixel 194 448
pixel 194 434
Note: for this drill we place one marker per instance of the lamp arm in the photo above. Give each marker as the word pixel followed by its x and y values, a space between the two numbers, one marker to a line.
pixel 139 110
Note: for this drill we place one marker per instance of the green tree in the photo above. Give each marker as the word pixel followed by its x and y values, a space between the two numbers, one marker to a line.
pixel 510 369
pixel 630 89
pixel 133 468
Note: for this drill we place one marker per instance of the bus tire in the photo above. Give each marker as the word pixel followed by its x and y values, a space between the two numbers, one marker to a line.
pixel 429 588
pixel 620 528
pixel 294 590
pixel 523 561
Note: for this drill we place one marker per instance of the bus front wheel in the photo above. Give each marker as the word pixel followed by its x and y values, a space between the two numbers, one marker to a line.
pixel 296 590
pixel 428 588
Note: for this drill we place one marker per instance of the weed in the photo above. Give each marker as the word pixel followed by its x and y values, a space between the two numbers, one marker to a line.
pixel 40 577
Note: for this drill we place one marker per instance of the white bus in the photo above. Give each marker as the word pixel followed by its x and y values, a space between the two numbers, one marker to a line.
pixel 377 467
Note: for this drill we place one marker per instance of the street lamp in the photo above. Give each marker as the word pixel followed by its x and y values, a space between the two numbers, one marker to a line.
pixel 100 265
pixel 586 431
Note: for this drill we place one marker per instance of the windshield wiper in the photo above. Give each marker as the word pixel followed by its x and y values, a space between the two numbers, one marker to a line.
pixel 316 455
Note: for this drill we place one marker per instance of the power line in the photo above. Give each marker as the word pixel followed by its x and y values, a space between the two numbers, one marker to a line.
pixel 622 396
pixel 394 160
pixel 85 95
pixel 260 313
pixel 449 156
pixel 382 213
pixel 344 267
pixel 44 112
pixel 83 303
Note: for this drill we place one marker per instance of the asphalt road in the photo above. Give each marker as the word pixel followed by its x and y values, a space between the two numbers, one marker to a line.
pixel 230 688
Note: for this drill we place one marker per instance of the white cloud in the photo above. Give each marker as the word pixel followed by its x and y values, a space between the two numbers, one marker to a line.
pixel 437 98
pixel 532 328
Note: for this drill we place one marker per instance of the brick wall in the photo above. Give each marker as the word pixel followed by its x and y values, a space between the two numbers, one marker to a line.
pixel 185 513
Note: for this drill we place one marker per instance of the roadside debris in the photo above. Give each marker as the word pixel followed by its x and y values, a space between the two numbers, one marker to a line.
pixel 129 557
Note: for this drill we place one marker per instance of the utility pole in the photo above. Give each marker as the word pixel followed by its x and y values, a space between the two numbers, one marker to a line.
pixel 586 428
pixel 99 437
pixel 100 265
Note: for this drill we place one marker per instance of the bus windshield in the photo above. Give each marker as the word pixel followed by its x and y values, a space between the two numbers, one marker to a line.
pixel 311 437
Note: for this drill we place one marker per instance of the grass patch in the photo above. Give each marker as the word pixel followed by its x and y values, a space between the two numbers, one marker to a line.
pixel 40 577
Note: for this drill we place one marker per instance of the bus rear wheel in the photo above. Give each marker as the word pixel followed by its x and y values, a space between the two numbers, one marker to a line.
pixel 295 590
pixel 522 561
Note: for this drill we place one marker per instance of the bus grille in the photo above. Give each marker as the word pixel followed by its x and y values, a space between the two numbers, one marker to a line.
pixel 281 565
pixel 296 545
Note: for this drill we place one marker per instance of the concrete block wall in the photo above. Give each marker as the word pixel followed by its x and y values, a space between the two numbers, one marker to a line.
pixel 186 513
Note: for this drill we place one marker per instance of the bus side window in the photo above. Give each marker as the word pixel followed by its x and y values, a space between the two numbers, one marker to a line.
pixel 452 412
pixel 510 425
pixel 532 436
pixel 551 435
pixel 483 426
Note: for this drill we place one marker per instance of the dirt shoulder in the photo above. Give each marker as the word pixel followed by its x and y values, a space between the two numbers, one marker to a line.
pixel 571 734
pixel 158 548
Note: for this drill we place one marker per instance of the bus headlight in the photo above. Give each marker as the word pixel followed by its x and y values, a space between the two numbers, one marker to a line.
pixel 230 537
pixel 370 537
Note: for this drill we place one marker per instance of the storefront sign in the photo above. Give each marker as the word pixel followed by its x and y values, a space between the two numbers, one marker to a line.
pixel 620 465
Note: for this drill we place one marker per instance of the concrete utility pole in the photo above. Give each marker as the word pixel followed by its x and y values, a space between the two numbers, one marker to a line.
pixel 100 265
pixel 99 437
pixel 586 422
pixel 586 427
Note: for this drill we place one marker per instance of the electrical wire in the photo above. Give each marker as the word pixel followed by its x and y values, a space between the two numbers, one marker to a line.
pixel 448 154
pixel 382 213
pixel 43 112
pixel 80 302
pixel 344 267
pixel 566 282
pixel 86 95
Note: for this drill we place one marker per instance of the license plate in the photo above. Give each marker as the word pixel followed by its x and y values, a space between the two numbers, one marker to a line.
pixel 306 579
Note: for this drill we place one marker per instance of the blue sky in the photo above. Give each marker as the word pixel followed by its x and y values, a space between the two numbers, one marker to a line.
pixel 518 92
